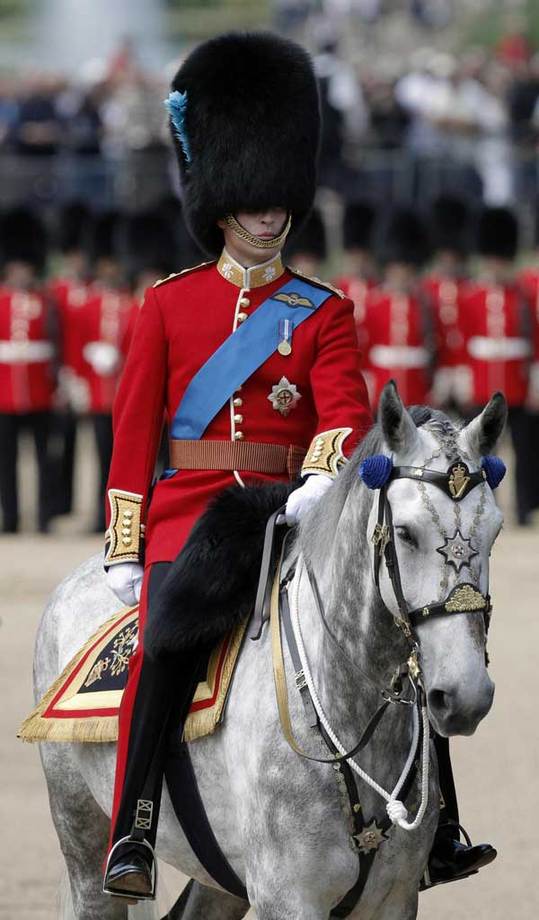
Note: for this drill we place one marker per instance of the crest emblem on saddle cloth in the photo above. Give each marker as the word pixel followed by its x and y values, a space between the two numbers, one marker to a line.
pixel 284 396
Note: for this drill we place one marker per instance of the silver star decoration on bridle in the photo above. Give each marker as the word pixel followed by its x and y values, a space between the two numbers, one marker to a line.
pixel 457 551
pixel 370 838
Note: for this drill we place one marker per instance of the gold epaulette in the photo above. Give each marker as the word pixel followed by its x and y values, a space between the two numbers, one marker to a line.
pixel 325 454
pixel 126 532
pixel 185 271
pixel 317 282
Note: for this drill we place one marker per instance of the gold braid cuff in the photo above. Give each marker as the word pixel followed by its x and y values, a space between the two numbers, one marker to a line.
pixel 325 454
pixel 125 533
pixel 244 234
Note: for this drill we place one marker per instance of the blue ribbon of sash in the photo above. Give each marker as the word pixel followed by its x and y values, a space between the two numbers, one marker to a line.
pixel 240 355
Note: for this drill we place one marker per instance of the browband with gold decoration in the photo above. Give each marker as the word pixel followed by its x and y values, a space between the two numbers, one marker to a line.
pixel 125 532
pixel 325 454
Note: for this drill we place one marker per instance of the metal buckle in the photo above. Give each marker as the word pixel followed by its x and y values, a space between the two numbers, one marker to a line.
pixel 381 537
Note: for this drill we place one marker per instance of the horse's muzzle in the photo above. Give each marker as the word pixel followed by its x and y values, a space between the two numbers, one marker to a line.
pixel 455 712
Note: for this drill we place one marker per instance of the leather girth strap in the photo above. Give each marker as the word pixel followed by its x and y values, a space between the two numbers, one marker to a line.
pixel 190 812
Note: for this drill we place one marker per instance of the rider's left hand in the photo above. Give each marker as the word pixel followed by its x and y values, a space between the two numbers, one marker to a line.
pixel 302 500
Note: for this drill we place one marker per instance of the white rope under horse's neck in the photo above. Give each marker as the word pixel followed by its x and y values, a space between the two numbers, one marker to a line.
pixel 396 809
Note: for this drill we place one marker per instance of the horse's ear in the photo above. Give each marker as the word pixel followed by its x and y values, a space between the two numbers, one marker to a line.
pixel 398 427
pixel 482 433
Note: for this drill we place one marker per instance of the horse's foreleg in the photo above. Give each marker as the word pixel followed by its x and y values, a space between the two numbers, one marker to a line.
pixel 197 902
pixel 82 830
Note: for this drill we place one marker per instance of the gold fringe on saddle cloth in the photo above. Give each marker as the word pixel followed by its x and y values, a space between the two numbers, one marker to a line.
pixel 83 702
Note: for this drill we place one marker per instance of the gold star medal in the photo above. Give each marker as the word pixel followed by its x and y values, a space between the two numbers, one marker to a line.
pixel 284 396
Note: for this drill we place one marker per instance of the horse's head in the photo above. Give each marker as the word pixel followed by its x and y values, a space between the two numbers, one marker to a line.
pixel 434 522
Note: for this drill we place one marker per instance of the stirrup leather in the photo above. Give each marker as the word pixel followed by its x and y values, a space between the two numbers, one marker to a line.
pixel 131 894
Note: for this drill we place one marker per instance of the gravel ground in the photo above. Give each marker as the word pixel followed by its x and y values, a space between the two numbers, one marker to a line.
pixel 496 770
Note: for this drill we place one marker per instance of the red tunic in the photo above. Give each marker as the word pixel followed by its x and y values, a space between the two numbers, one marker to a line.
pixel 497 325
pixel 105 321
pixel 181 324
pixel 397 342
pixel 445 295
pixel 69 297
pixel 27 351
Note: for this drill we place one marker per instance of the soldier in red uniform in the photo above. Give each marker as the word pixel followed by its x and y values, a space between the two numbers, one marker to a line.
pixel 498 331
pixel 359 274
pixel 528 281
pixel 105 321
pixel 291 399
pixel 396 335
pixel 28 351
pixel 70 291
pixel 444 286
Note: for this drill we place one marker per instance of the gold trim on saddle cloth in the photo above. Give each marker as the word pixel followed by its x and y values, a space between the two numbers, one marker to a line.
pixel 82 704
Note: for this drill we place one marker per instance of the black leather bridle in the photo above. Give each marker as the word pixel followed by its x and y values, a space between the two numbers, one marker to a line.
pixel 456 483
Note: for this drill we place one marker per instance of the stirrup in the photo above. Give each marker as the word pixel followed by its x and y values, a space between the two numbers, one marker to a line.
pixel 131 894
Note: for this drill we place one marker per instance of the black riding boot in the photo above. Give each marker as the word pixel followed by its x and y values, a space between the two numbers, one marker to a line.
pixel 163 698
pixel 451 860
pixel 164 692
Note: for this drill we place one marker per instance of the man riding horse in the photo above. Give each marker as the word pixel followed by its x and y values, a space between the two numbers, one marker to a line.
pixel 254 368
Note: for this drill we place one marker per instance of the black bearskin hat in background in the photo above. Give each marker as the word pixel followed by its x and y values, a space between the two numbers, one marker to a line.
pixel 73 229
pixel 497 233
pixel 450 224
pixel 107 237
pixel 404 239
pixel 311 238
pixel 358 225
pixel 23 238
pixel 245 123
pixel 149 244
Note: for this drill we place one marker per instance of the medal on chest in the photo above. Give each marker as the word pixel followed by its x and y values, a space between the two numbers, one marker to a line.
pixel 284 396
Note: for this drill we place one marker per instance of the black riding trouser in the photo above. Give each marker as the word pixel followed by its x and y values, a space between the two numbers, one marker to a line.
pixel 164 692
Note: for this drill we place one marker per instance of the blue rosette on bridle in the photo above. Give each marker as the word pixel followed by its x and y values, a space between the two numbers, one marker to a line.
pixel 495 470
pixel 376 470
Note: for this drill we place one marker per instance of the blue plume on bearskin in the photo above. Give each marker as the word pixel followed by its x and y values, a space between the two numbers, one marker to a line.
pixel 176 105
pixel 495 470
pixel 375 471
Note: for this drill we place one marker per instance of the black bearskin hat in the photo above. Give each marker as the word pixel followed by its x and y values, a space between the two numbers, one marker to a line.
pixel 497 233
pixel 358 225
pixel 150 243
pixel 450 224
pixel 310 239
pixel 24 238
pixel 245 122
pixel 404 239
pixel 107 237
pixel 73 228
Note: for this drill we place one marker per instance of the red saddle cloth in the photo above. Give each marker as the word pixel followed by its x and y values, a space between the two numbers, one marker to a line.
pixel 83 703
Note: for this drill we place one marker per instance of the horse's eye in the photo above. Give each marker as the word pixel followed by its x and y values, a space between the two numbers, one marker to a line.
pixel 405 534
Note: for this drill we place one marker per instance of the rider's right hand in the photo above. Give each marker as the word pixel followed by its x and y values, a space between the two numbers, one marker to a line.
pixel 125 579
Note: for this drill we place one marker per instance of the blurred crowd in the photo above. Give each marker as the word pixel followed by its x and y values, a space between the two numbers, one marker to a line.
pixel 451 330
pixel 409 127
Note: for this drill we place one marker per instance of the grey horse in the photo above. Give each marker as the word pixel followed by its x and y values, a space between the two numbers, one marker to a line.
pixel 284 822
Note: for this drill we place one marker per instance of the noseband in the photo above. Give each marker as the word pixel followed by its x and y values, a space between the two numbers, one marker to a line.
pixel 378 472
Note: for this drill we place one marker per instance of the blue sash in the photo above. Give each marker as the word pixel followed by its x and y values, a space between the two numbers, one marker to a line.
pixel 242 354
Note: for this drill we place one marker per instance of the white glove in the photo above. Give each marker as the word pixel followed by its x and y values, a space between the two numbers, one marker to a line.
pixel 302 500
pixel 125 579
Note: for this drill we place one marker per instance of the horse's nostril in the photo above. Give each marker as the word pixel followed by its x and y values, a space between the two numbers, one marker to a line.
pixel 438 700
